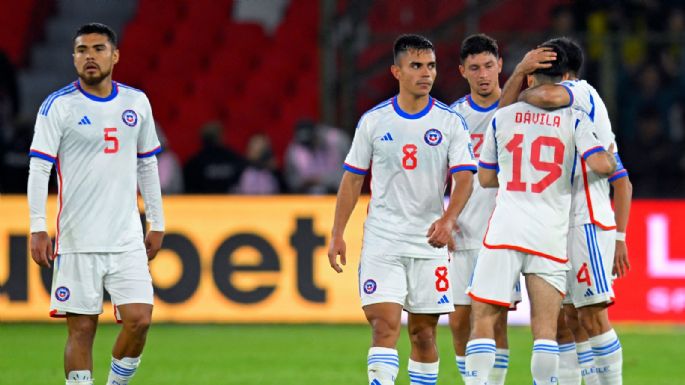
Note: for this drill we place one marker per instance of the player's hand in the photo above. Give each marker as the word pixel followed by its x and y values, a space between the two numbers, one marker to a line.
pixel 536 59
pixel 153 242
pixel 41 248
pixel 440 232
pixel 337 247
pixel 621 262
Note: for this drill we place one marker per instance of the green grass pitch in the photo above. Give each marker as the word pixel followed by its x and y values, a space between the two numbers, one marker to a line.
pixel 295 354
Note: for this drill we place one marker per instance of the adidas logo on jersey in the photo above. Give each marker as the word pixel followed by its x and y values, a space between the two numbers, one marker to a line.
pixel 444 300
pixel 387 137
pixel 84 120
pixel 589 293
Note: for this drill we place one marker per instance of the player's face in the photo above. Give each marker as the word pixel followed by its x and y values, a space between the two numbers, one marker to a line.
pixel 482 72
pixel 416 72
pixel 94 58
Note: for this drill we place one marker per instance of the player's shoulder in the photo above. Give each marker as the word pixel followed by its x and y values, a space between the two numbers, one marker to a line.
pixel 130 92
pixel 444 107
pixel 459 103
pixel 56 98
pixel 376 111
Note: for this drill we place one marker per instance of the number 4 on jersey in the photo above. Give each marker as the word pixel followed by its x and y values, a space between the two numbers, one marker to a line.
pixel 112 140
pixel 584 275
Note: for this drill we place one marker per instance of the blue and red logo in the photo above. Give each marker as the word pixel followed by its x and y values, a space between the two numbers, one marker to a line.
pixel 62 293
pixel 130 118
pixel 433 137
pixel 370 286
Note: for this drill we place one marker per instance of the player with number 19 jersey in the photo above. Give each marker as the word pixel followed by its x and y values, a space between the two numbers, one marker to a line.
pixel 409 156
pixel 94 143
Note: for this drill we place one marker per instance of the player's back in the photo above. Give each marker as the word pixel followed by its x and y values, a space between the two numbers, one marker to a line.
pixel 534 150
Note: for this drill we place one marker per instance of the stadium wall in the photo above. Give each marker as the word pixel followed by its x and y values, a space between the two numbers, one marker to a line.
pixel 263 259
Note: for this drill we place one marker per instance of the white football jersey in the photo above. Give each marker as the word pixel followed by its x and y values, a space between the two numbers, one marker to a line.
pixel 534 150
pixel 591 201
pixel 410 157
pixel 95 143
pixel 473 220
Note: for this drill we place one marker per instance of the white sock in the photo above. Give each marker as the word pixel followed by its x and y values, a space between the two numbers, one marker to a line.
pixel 480 358
pixel 423 373
pixel 586 360
pixel 79 377
pixel 461 366
pixel 608 358
pixel 383 365
pixel 544 365
pixel 569 369
pixel 121 371
pixel 499 370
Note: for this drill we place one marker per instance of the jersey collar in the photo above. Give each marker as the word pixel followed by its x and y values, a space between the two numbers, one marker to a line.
pixel 115 92
pixel 479 108
pixel 417 115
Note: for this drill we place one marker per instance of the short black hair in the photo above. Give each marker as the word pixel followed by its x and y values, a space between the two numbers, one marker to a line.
pixel 559 66
pixel 408 42
pixel 478 43
pixel 99 28
pixel 574 54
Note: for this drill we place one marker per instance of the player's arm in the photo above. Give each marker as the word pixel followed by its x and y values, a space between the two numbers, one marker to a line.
pixel 600 160
pixel 348 194
pixel 37 192
pixel 549 96
pixel 440 233
pixel 623 195
pixel 533 60
pixel 149 186
pixel 487 164
pixel 487 177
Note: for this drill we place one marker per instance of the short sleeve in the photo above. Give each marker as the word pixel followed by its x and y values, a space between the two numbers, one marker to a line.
pixel 148 143
pixel 47 134
pixel 358 160
pixel 488 153
pixel 581 99
pixel 460 154
pixel 585 137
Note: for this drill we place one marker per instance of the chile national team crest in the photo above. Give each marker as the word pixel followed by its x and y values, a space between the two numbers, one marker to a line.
pixel 130 118
pixel 433 137
pixel 369 286
pixel 62 293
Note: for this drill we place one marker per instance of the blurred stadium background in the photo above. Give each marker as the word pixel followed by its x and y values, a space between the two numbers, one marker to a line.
pixel 257 101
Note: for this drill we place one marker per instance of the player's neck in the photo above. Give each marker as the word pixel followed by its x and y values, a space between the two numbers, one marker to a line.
pixel 102 89
pixel 486 101
pixel 412 104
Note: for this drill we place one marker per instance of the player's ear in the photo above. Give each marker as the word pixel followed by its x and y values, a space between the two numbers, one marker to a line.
pixel 115 55
pixel 499 63
pixel 395 70
pixel 462 70
pixel 530 79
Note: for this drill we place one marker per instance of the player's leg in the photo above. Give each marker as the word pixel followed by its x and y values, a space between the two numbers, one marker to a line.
pixel 499 369
pixel 606 347
pixel 383 290
pixel 495 274
pixel 569 369
pixel 130 285
pixel 462 264
pixel 78 352
pixel 585 357
pixel 428 296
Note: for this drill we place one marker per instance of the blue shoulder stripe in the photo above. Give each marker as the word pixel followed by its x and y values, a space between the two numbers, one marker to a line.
pixel 45 107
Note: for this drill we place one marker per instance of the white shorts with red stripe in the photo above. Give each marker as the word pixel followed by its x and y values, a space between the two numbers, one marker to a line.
pixel 498 270
pixel 591 254
pixel 78 281
pixel 462 266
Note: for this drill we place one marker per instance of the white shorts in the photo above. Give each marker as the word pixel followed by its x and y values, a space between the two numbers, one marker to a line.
pixel 461 267
pixel 78 280
pixel 420 285
pixel 498 270
pixel 591 254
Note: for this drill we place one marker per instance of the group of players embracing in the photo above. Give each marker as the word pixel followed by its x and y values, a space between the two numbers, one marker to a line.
pixel 540 207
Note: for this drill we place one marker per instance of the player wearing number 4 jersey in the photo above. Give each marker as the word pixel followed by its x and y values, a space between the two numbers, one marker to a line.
pixel 410 143
pixel 100 135
pixel 596 246
pixel 534 151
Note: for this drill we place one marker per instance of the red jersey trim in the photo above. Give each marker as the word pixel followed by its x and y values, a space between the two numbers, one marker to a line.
pixel 588 199
pixel 490 301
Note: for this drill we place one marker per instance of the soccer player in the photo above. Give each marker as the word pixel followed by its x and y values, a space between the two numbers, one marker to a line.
pixel 100 135
pixel 533 149
pixel 409 143
pixel 597 246
pixel 480 66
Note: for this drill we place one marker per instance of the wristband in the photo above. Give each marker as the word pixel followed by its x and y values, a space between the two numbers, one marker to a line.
pixel 620 236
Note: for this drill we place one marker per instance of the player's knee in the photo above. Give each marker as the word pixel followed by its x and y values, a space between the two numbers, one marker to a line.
pixel 139 324
pixel 422 337
pixel 384 331
pixel 83 333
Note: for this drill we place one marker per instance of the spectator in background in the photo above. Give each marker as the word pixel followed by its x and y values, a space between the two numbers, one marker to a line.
pixel 261 177
pixel 170 172
pixel 215 168
pixel 14 162
pixel 313 161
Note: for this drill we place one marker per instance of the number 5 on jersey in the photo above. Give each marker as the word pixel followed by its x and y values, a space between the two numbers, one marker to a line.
pixel 111 140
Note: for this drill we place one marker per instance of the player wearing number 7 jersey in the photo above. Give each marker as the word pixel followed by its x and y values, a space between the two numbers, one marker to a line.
pixel 533 149
pixel 410 143
pixel 100 135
